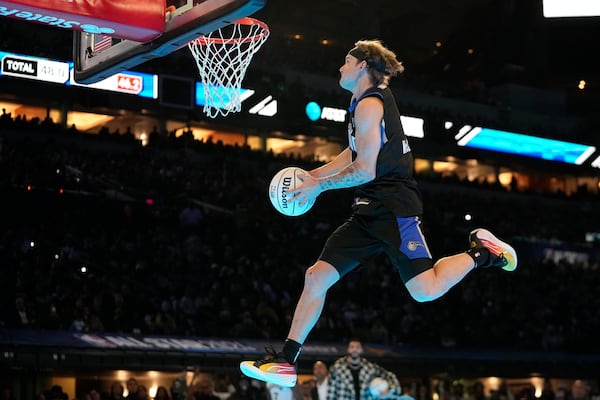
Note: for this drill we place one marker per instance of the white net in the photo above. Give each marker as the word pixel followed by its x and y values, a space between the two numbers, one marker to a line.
pixel 222 58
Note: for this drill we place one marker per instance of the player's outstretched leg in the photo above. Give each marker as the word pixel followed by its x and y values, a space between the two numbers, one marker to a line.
pixel 501 254
pixel 274 368
pixel 280 367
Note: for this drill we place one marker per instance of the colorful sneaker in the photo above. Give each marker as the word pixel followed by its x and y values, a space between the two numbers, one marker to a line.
pixel 501 254
pixel 274 368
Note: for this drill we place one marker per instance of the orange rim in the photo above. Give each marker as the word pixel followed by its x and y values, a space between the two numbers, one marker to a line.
pixel 204 40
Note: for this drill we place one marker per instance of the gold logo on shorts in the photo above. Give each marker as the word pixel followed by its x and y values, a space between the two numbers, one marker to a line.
pixel 412 246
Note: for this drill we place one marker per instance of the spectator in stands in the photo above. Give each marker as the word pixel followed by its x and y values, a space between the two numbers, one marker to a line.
pixel 527 392
pixel 23 315
pixel 502 393
pixel 79 324
pixel 223 386
pixel 351 375
pixel 179 388
pixel 277 392
pixel 93 395
pixel 142 393
pixel 321 373
pixel 547 391
pixel 56 393
pixel 422 391
pixel 580 390
pixel 477 391
pixel 162 394
pixel 245 390
pixel 116 391
pixel 305 389
pixel 205 390
pixel 457 391
pixel 132 389
pixel 562 393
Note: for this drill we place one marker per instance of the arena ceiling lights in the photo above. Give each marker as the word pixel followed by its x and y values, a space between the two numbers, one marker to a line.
pixel 524 145
pixel 571 8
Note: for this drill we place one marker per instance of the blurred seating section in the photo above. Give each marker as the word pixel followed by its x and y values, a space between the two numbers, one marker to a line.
pixel 179 238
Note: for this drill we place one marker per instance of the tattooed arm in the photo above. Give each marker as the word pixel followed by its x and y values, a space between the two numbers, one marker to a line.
pixel 367 116
pixel 340 162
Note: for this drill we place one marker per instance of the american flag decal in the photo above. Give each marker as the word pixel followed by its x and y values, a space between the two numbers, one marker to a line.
pixel 101 42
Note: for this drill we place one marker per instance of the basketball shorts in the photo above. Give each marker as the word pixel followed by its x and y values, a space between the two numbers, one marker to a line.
pixel 363 237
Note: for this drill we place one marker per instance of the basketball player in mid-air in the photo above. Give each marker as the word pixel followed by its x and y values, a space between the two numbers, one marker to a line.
pixel 386 212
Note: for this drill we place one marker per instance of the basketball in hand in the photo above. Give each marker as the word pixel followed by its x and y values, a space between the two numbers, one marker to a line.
pixel 284 181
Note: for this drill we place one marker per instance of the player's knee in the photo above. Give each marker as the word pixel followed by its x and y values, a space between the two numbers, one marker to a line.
pixel 313 280
pixel 422 293
pixel 318 279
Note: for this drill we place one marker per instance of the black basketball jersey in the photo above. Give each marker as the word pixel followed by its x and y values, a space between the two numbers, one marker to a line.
pixel 394 184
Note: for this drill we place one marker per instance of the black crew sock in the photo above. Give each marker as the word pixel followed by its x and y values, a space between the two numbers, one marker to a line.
pixel 291 350
pixel 480 255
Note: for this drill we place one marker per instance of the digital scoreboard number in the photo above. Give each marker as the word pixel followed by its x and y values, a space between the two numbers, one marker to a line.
pixel 37 69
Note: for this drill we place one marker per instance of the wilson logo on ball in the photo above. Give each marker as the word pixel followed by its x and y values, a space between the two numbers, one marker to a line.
pixel 287 182
pixel 284 181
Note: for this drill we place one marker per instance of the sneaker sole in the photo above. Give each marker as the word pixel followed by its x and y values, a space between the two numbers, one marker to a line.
pixel 509 253
pixel 287 380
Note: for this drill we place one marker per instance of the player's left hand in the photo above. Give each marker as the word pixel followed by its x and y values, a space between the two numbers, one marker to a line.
pixel 308 190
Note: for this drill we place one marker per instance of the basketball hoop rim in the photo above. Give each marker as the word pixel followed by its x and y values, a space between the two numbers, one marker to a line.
pixel 205 40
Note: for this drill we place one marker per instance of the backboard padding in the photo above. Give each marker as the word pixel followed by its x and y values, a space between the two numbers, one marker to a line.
pixel 183 25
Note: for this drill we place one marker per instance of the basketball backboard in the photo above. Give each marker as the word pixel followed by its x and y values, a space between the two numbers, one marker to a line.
pixel 97 56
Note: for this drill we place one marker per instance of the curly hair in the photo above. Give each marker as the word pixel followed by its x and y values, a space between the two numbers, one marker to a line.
pixel 381 61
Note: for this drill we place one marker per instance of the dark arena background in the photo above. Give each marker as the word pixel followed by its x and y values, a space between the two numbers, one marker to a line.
pixel 138 241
